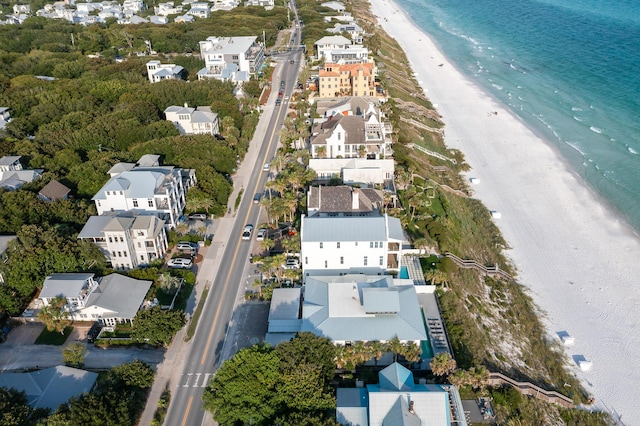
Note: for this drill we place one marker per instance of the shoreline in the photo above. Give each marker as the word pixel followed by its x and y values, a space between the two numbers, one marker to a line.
pixel 573 250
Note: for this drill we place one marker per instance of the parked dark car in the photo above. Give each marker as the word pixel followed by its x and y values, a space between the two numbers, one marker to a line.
pixel 93 332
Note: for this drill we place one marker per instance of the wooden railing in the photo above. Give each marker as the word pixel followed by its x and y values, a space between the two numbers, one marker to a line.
pixel 526 388
pixel 491 271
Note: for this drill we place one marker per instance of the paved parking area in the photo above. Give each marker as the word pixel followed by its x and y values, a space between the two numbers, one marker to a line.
pixel 24 334
pixel 248 327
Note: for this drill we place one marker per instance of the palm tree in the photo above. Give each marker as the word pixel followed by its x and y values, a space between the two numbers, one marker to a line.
pixel 411 352
pixel 54 316
pixel 321 152
pixel 442 364
pixel 395 346
pixel 267 244
pixel 376 349
pixel 278 263
pixel 182 228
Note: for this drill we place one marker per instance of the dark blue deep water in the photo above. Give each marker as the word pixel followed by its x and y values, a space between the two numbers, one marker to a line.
pixel 568 68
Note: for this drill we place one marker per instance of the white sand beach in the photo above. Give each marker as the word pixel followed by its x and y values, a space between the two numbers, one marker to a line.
pixel 579 260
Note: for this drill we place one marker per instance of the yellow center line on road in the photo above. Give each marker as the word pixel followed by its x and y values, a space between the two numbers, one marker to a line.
pixel 226 283
pixel 186 413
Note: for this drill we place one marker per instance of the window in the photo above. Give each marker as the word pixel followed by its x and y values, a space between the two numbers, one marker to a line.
pixel 356 244
pixel 113 254
pixel 124 253
pixel 306 260
pixel 381 258
pixel 150 201
pixel 341 260
pixel 135 203
pixel 338 244
pixel 366 260
pixel 321 245
pixel 110 239
pixel 141 257
pixel 120 192
pixel 371 244
pixel 121 240
pixel 325 264
pixel 139 244
pixel 119 254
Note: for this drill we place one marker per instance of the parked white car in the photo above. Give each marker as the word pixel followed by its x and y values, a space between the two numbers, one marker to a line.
pixel 180 262
pixel 261 235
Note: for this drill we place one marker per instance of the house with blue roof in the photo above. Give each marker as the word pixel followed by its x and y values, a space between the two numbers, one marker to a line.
pixel 398 401
pixel 157 71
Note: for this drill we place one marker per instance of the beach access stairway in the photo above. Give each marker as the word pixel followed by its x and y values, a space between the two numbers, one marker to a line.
pixel 425 127
pixel 526 388
pixel 491 271
pixel 432 153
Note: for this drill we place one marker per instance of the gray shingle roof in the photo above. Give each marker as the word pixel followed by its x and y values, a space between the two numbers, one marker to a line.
pixel 54 190
pixel 338 199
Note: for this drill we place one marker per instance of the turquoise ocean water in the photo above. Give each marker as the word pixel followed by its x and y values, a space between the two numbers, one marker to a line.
pixel 569 68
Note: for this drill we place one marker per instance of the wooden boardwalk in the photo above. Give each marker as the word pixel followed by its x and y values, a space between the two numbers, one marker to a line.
pixel 491 271
pixel 526 388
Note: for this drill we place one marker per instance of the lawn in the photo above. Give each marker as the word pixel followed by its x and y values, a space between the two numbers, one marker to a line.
pixel 53 337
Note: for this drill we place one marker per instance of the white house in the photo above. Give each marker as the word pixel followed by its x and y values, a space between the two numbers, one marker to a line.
pixel 193 121
pixel 335 5
pixel 328 43
pixel 166 9
pixel 267 4
pixel 231 58
pixel 200 10
pixel 354 170
pixel 5 117
pixel 347 309
pixel 146 187
pixel 398 400
pixel 111 300
pixel 350 244
pixel 21 8
pixel 127 240
pixel 13 176
pixel 158 72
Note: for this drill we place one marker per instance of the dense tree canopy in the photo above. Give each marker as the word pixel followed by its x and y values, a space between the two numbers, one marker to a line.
pixel 14 410
pixel 156 326
pixel 289 383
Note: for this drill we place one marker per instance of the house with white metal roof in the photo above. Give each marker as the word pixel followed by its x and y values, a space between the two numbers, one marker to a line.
pixel 50 387
pixel 348 308
pixel 157 71
pixel 350 244
pixel 231 58
pixel 13 176
pixel 111 300
pixel 398 400
pixel 128 240
pixel 146 187
pixel 193 121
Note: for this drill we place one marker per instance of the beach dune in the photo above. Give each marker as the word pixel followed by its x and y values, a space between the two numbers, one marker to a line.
pixel 574 253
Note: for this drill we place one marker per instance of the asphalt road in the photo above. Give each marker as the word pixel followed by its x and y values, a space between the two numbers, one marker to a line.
pixel 206 350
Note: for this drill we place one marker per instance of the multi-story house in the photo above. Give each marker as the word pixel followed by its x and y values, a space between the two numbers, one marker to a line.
pixel 146 187
pixel 354 171
pixel 335 201
pixel 350 244
pixel 328 43
pixel 192 121
pixel 166 9
pixel 12 175
pixel 352 136
pixel 111 300
pixel 128 240
pixel 357 79
pixel 158 72
pixel 231 58
pixel 200 10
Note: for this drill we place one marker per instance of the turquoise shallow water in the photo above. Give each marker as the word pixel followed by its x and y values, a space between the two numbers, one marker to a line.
pixel 569 68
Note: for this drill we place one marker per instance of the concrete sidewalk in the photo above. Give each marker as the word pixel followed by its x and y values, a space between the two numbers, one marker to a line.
pixel 170 369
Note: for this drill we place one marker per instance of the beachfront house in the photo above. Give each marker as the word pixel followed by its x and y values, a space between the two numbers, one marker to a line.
pixel 353 79
pixel 335 201
pixel 128 240
pixel 350 244
pixel 398 400
pixel 146 187
pixel 231 58
pixel 347 309
pixel 193 121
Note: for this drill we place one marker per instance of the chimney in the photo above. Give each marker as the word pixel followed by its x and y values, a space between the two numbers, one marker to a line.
pixel 355 201
pixel 186 105
pixel 411 407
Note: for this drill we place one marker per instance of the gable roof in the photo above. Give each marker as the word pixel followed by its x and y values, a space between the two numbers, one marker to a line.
pixel 336 39
pixel 135 183
pixel 54 190
pixel 333 307
pixel 50 387
pixel 7 160
pixel 64 285
pixel 119 294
